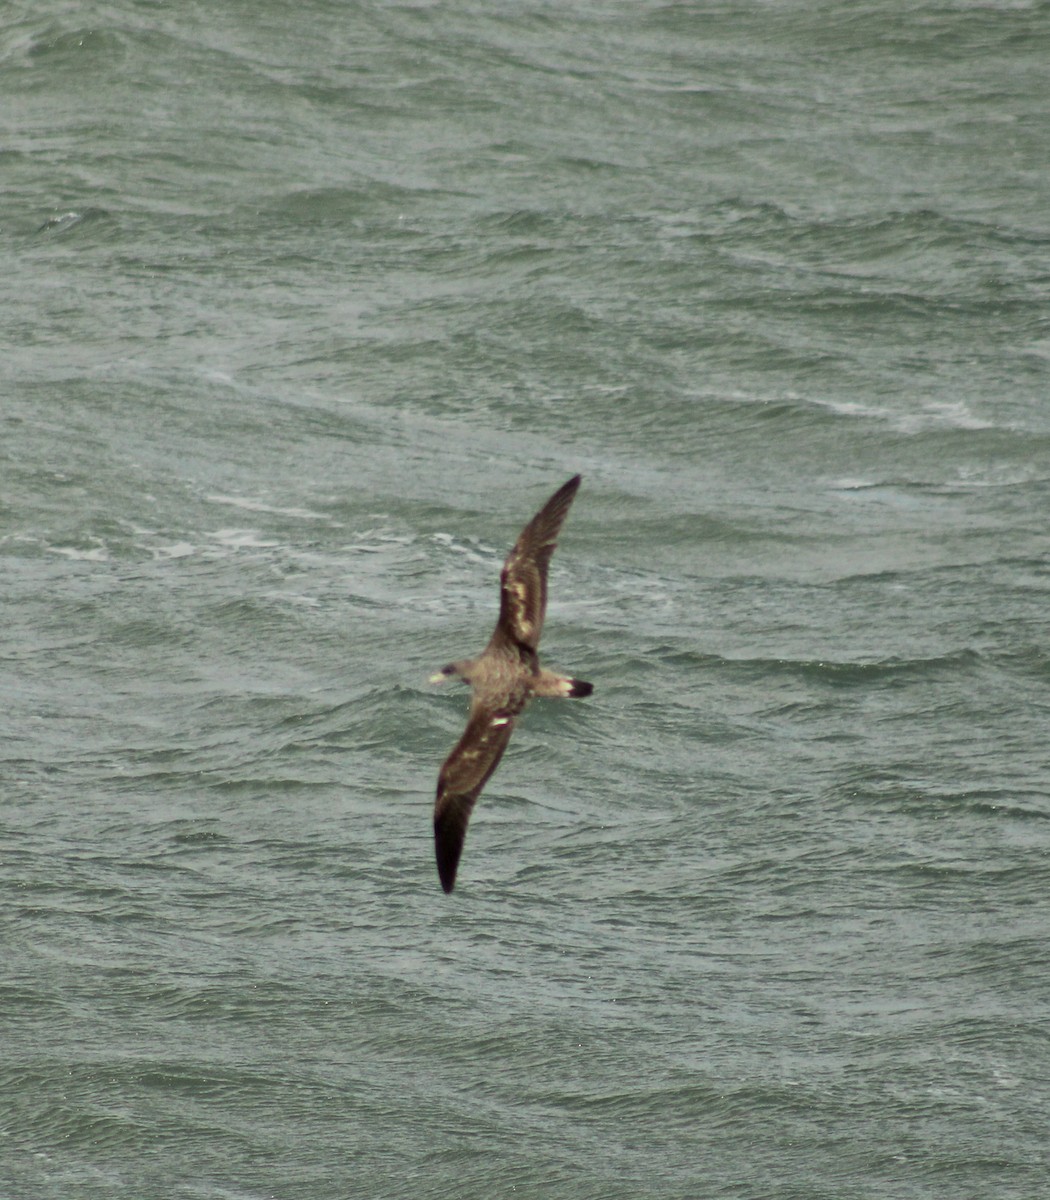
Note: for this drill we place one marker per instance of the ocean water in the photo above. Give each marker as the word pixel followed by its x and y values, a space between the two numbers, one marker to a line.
pixel 306 309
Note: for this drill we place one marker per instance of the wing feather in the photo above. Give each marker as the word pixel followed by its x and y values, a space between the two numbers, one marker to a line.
pixel 464 773
pixel 523 580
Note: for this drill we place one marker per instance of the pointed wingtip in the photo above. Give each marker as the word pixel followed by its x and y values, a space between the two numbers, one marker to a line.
pixel 447 871
pixel 447 862
pixel 558 505
pixel 448 858
pixel 569 487
pixel 448 845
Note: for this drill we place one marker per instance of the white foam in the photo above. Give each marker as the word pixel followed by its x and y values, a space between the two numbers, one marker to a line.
pixel 175 550
pixel 248 505
pixel 98 554
pixel 240 539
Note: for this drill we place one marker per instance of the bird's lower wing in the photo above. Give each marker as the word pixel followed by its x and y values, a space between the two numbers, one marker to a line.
pixel 464 774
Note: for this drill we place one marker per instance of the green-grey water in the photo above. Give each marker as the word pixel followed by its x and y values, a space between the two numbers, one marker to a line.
pixel 305 310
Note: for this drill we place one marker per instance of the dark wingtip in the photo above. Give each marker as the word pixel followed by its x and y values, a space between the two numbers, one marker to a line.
pixel 446 866
pixel 569 487
pixel 447 849
pixel 580 687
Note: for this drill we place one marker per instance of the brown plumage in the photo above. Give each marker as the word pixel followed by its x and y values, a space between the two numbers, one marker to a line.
pixel 504 678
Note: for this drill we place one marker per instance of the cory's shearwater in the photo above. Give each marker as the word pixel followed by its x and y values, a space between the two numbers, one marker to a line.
pixel 504 678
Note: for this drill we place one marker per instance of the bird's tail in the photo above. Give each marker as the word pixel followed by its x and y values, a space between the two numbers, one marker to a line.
pixel 546 683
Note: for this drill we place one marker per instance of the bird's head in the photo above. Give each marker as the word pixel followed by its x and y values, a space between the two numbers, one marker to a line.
pixel 456 670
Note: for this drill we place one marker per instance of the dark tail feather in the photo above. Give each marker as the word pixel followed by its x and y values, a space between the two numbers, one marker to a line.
pixel 580 687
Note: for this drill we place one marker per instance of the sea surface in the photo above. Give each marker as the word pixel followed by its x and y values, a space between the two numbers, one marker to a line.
pixel 306 308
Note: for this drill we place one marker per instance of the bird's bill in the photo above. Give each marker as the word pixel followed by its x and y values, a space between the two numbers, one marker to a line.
pixel 439 677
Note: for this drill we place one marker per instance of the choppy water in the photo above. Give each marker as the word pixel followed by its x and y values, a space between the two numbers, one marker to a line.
pixel 305 310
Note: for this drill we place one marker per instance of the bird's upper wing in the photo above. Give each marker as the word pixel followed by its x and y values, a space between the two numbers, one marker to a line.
pixel 523 580
pixel 464 773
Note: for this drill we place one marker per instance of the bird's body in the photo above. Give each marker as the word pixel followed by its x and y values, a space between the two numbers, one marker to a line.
pixel 504 677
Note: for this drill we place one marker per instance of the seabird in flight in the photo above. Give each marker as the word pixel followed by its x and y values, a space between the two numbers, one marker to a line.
pixel 504 678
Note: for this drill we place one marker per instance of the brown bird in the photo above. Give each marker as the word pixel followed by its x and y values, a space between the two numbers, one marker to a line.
pixel 504 678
